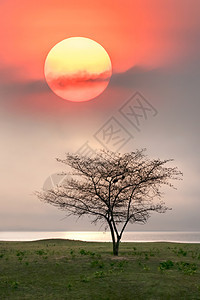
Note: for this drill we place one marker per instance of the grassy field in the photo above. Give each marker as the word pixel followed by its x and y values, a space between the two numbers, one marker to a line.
pixel 64 269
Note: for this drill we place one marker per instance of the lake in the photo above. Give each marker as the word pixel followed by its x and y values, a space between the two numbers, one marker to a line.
pixel 100 236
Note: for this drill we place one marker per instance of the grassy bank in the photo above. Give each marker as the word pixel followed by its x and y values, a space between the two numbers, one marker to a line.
pixel 63 269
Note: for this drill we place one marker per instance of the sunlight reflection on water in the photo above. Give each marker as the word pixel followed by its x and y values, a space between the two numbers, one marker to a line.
pixel 99 236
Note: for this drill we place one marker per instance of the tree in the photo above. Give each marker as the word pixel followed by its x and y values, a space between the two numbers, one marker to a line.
pixel 114 188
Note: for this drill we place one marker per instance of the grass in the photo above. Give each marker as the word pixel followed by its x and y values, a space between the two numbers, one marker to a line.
pixel 64 269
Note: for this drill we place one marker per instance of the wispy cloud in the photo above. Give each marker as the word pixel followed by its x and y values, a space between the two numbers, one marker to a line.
pixel 80 78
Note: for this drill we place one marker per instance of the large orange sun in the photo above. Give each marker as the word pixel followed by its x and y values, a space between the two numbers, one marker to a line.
pixel 78 69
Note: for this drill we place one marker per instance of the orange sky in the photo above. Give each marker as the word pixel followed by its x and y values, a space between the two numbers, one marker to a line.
pixel 154 46
pixel 146 33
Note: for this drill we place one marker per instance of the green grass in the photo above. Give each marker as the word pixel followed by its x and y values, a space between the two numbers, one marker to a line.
pixel 64 269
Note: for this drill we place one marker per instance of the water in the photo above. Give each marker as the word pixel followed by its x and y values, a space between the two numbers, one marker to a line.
pixel 99 236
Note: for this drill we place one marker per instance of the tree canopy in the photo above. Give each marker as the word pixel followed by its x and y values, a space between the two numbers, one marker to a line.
pixel 114 188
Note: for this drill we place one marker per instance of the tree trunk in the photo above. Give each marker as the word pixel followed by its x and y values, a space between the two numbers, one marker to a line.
pixel 115 243
pixel 116 248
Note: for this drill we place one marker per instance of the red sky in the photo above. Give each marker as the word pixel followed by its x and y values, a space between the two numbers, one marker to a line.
pixel 148 33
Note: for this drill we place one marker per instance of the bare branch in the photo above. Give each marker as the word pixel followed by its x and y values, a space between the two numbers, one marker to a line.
pixel 112 187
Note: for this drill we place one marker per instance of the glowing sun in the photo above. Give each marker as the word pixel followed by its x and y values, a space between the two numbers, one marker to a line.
pixel 78 69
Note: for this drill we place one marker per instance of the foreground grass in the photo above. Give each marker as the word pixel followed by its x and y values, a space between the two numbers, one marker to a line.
pixel 64 269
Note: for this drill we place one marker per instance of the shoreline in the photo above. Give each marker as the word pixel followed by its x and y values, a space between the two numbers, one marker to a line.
pixel 101 242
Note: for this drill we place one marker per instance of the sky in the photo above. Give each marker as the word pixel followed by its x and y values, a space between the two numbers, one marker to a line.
pixel 154 47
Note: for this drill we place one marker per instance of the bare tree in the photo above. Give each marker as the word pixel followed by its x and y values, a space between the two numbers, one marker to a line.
pixel 114 188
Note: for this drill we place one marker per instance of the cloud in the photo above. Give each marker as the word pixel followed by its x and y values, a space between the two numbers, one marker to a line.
pixel 16 88
pixel 133 76
pixel 81 78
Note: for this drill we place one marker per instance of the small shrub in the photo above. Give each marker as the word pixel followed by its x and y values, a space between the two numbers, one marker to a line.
pixel 72 253
pixel 40 252
pixel 181 252
pixel 187 268
pixel 83 252
pixel 15 284
pixel 92 254
pixel 166 265
pixel 20 253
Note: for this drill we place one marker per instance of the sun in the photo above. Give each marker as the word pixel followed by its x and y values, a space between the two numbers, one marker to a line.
pixel 77 69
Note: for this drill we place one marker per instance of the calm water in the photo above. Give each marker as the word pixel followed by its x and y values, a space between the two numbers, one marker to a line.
pixel 99 236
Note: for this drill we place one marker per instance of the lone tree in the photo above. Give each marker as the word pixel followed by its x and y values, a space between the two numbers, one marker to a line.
pixel 114 188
